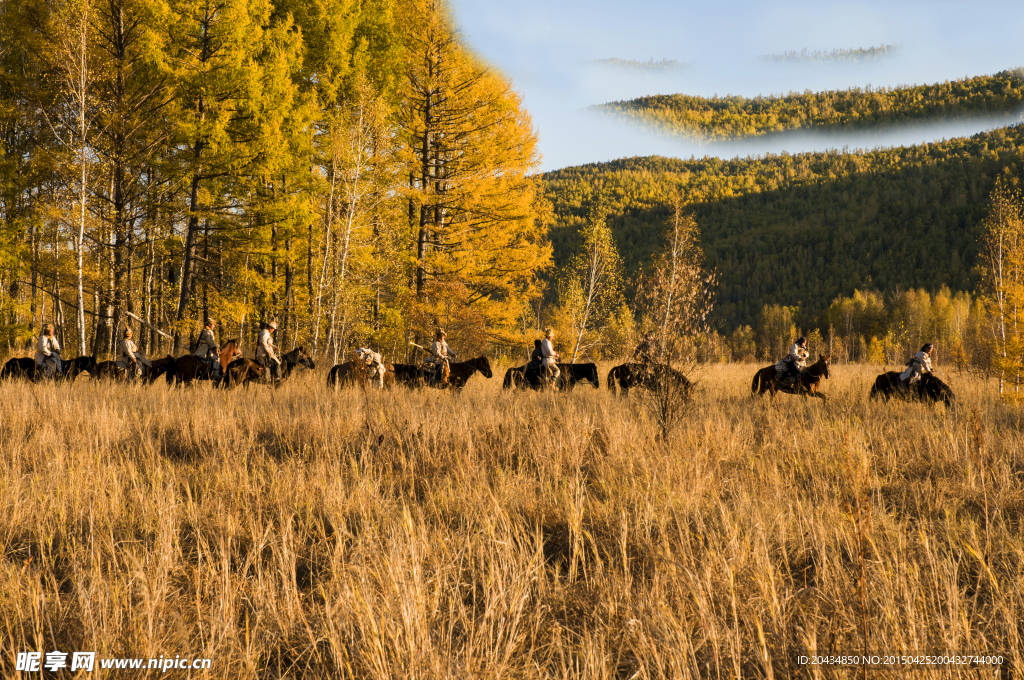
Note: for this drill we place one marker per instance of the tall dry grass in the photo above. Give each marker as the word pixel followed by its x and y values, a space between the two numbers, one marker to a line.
pixel 306 533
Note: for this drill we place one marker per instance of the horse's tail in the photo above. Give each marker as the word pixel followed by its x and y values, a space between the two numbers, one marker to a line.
pixel 507 382
pixel 874 390
pixel 755 385
pixel 332 377
pixel 613 375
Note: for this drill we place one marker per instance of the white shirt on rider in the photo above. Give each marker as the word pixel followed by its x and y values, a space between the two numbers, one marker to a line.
pixel 265 346
pixel 919 365
pixel 47 347
pixel 440 350
pixel 547 351
pixel 797 355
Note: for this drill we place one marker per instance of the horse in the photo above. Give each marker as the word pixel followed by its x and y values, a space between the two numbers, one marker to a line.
pixel 355 373
pixel 807 383
pixel 191 367
pixel 110 369
pixel 84 364
pixel 570 374
pixel 25 367
pixel 406 374
pixel 627 376
pixel 461 371
pixel 929 388
pixel 158 367
pixel 514 377
pixel 241 371
pixel 19 367
pixel 297 357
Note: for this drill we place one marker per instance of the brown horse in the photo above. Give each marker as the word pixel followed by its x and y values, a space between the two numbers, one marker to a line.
pixel 462 371
pixel 241 371
pixel 190 367
pixel 110 370
pixel 159 367
pixel 929 388
pixel 355 373
pixel 628 376
pixel 806 385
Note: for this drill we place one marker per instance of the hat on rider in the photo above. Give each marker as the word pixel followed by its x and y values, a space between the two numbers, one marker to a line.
pixel 48 328
pixel 801 340
pixel 440 334
pixel 272 325
pixel 209 322
pixel 127 332
pixel 927 347
pixel 549 332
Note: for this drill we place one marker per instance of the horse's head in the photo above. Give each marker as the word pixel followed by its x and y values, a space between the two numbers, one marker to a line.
pixel 305 359
pixel 824 361
pixel 483 365
pixel 231 350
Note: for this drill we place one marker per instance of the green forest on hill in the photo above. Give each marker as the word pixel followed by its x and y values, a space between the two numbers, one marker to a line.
pixel 801 229
pixel 732 117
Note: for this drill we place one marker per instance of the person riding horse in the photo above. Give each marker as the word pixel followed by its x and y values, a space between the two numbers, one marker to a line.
pixel 265 354
pixel 374 364
pixel 440 352
pixel 129 357
pixel 549 356
pixel 48 353
pixel 646 350
pixel 208 350
pixel 789 367
pixel 918 366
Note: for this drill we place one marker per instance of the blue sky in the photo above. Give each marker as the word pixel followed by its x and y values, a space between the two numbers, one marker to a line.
pixel 545 46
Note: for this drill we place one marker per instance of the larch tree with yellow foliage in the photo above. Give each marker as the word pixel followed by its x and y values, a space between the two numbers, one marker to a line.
pixel 471 207
pixel 1002 246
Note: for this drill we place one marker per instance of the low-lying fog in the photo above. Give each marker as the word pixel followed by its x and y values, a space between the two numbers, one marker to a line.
pixel 547 49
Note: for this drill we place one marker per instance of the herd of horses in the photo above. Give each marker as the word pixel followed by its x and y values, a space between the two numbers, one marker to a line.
pixel 237 370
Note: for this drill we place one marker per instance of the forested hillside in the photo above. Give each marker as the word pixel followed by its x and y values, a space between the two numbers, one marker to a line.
pixel 802 229
pixel 729 117
pixel 347 168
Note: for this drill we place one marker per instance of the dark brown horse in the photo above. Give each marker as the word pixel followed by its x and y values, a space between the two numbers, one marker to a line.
pixel 569 375
pixel 409 375
pixel 25 367
pixel 19 367
pixel 462 371
pixel 929 388
pixel 241 371
pixel 190 367
pixel 109 370
pixel 161 367
pixel 807 384
pixel 649 377
pixel 297 357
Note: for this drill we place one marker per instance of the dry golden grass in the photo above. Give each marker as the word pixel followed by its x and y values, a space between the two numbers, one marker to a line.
pixel 307 533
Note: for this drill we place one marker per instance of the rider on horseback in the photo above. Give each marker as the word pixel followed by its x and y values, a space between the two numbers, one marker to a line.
pixel 208 350
pixel 794 362
pixel 129 356
pixel 48 353
pixel 918 366
pixel 549 356
pixel 646 350
pixel 439 354
pixel 374 362
pixel 265 354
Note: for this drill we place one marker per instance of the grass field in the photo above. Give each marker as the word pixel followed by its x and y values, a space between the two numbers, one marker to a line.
pixel 307 533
